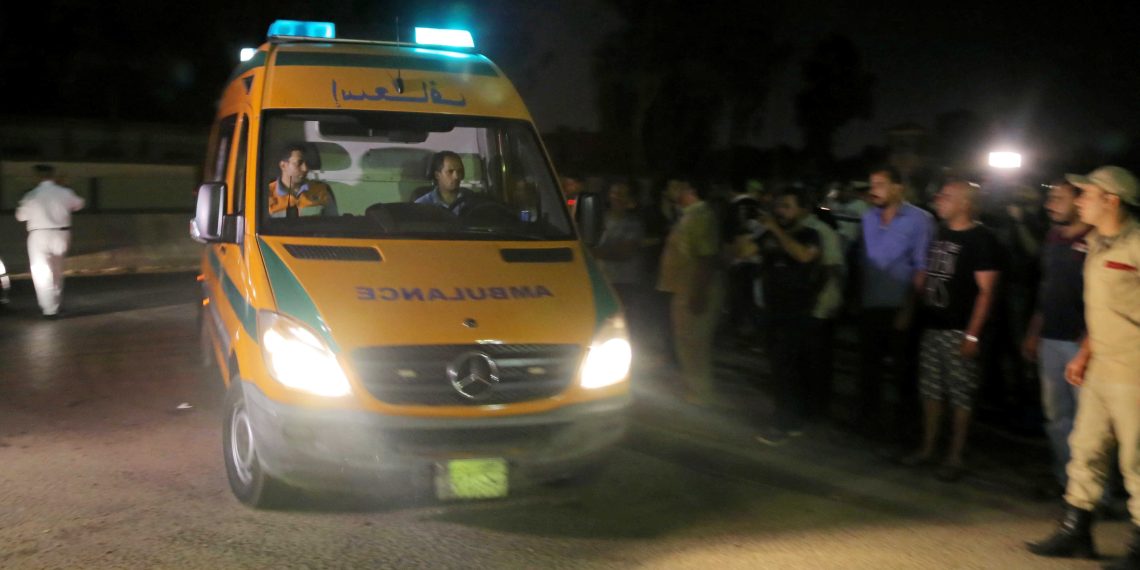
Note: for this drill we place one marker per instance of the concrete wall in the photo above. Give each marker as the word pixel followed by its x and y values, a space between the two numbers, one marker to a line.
pixel 136 219
pixel 46 138
pixel 108 187
pixel 112 243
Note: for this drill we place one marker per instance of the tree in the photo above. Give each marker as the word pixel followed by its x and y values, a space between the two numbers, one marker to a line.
pixel 837 88
pixel 141 61
pixel 959 136
pixel 667 78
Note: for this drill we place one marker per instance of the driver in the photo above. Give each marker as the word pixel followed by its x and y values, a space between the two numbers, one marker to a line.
pixel 446 173
pixel 292 194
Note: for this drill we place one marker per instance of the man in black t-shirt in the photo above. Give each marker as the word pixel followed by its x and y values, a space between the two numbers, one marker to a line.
pixel 961 274
pixel 792 277
pixel 1056 329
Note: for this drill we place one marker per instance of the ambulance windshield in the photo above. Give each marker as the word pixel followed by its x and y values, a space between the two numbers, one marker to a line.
pixel 405 175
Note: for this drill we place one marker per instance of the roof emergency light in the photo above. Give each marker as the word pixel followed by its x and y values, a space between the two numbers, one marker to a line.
pixel 444 37
pixel 1005 159
pixel 302 29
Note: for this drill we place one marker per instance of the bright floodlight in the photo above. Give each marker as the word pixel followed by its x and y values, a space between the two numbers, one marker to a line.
pixel 1005 159
pixel 248 53
pixel 442 37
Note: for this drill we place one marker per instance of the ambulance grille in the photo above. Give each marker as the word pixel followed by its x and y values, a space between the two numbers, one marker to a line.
pixel 333 252
pixel 417 375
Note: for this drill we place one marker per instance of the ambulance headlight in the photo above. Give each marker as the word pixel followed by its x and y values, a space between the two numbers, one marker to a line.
pixel 298 358
pixel 610 356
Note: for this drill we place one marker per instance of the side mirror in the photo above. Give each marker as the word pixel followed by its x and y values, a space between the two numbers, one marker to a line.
pixel 194 234
pixel 590 217
pixel 210 223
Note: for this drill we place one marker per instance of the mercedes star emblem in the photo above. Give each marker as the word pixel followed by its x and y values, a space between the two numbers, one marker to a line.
pixel 474 375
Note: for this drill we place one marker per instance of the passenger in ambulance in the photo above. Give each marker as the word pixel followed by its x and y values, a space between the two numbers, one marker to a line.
pixel 446 172
pixel 292 194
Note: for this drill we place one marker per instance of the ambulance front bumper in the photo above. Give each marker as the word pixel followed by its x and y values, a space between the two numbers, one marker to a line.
pixel 331 448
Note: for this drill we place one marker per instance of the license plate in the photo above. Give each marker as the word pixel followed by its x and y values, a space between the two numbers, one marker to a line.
pixel 471 479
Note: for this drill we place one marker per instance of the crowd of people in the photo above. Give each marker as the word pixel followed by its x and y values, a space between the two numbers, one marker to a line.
pixel 957 300
pixel 973 296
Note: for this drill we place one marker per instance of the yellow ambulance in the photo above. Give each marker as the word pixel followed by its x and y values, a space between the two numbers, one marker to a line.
pixel 393 290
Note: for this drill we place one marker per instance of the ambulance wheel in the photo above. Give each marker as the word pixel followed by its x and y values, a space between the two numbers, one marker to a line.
pixel 248 480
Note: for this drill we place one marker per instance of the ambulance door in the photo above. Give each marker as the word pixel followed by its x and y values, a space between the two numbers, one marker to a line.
pixel 234 256
pixel 215 310
pixel 230 314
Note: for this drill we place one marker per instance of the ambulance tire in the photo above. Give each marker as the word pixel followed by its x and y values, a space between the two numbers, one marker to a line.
pixel 248 480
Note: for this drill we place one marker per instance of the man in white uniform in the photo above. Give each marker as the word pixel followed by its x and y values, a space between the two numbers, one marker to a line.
pixel 47 211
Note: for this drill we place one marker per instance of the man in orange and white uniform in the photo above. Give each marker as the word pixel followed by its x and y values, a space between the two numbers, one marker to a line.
pixel 293 194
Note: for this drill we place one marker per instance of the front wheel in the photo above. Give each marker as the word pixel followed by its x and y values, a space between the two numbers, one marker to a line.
pixel 248 480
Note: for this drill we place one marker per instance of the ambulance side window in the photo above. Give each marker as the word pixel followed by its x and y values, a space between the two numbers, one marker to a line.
pixel 220 153
pixel 239 167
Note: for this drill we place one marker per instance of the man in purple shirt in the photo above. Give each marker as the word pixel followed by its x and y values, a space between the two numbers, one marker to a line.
pixel 893 265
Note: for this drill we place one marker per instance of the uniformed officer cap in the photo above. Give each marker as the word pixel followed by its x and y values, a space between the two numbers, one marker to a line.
pixel 1111 179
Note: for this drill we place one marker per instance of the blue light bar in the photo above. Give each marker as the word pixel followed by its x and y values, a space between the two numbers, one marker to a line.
pixel 302 29
pixel 442 37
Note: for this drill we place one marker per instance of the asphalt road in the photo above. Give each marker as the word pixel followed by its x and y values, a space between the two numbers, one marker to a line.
pixel 100 468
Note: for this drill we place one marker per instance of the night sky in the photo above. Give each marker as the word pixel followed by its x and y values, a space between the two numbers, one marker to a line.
pixel 1049 80
pixel 1055 76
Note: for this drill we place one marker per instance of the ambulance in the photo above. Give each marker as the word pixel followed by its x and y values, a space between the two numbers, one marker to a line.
pixel 368 334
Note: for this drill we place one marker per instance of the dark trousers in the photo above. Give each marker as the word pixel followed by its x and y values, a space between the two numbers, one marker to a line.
pixel 632 299
pixel 822 368
pixel 889 360
pixel 793 347
pixel 743 314
pixel 658 329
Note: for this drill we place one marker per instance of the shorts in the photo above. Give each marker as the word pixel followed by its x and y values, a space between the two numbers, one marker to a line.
pixel 943 374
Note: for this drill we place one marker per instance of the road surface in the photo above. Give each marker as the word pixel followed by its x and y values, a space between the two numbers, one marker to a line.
pixel 110 457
